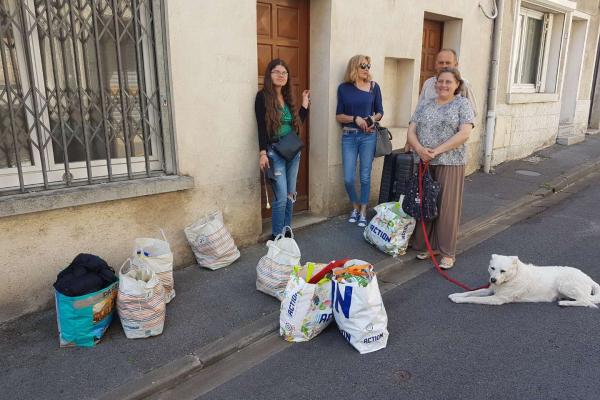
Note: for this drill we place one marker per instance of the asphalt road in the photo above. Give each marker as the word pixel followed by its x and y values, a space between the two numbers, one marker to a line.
pixel 441 350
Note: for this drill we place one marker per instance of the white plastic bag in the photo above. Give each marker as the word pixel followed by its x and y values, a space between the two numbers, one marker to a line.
pixel 211 242
pixel 157 255
pixel 390 229
pixel 140 301
pixel 358 309
pixel 274 269
pixel 306 307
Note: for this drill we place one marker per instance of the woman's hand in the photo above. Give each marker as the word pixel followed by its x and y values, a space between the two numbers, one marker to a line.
pixel 362 124
pixel 426 154
pixel 263 162
pixel 306 98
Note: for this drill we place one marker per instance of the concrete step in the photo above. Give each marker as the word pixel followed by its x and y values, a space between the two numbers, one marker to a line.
pixel 567 135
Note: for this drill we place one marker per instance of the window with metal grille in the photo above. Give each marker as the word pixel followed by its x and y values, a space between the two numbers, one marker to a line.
pixel 83 96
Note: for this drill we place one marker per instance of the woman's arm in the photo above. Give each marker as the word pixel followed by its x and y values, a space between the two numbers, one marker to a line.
pixel 260 112
pixel 263 141
pixel 426 154
pixel 455 141
pixel 466 115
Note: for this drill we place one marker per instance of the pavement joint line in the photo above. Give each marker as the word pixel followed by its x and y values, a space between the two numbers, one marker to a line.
pixel 166 376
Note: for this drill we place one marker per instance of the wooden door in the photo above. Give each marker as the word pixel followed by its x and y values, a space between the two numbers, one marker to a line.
pixel 432 44
pixel 282 32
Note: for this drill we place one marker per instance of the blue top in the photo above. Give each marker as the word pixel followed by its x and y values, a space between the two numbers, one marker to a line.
pixel 353 101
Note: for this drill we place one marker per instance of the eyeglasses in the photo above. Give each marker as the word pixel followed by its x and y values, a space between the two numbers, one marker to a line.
pixel 280 73
pixel 364 66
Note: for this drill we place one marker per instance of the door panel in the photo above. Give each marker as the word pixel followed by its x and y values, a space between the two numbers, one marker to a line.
pixel 282 32
pixel 432 44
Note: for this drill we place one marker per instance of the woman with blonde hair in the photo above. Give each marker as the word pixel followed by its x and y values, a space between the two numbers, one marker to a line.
pixel 276 117
pixel 358 108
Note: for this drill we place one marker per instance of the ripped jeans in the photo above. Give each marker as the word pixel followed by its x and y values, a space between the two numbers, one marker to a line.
pixel 284 188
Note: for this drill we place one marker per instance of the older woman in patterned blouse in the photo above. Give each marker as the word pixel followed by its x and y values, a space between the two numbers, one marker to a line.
pixel 437 132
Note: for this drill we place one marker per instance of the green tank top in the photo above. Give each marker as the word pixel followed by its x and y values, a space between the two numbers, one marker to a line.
pixel 286 121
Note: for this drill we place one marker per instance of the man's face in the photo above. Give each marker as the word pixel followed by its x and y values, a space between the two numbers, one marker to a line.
pixel 445 59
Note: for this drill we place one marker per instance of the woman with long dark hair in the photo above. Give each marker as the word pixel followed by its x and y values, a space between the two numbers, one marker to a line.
pixel 276 117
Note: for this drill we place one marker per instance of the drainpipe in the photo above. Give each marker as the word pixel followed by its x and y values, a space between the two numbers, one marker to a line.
pixel 490 125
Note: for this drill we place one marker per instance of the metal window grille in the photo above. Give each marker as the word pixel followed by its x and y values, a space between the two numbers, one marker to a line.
pixel 82 93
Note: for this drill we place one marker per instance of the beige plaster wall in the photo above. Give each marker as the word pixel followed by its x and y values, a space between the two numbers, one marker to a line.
pixel 522 128
pixel 214 81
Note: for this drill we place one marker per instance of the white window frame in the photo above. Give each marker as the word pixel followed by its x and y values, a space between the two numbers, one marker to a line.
pixel 519 48
pixel 32 173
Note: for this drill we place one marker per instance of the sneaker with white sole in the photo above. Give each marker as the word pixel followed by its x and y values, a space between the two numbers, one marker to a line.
pixel 362 221
pixel 353 217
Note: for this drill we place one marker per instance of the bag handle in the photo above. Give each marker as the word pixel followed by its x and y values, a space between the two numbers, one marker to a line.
pixel 283 232
pixel 123 266
pixel 162 233
pixel 328 269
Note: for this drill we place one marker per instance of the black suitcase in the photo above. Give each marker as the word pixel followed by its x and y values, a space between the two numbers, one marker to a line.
pixel 398 167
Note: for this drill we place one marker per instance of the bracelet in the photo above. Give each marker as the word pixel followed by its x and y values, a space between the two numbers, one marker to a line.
pixel 354 119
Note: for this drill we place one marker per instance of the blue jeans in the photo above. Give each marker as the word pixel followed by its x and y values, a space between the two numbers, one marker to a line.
pixel 284 188
pixel 358 145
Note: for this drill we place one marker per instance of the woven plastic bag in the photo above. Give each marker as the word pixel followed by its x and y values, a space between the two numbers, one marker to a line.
pixel 211 242
pixel 306 307
pixel 82 320
pixel 274 269
pixel 141 301
pixel 358 308
pixel 157 255
pixel 390 229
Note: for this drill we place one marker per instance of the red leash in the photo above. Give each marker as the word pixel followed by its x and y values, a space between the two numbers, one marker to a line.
pixel 437 266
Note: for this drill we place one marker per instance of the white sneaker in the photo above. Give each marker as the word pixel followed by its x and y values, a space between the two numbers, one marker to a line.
pixel 362 221
pixel 354 217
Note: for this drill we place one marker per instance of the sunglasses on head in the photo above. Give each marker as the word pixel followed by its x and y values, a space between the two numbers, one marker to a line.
pixel 364 66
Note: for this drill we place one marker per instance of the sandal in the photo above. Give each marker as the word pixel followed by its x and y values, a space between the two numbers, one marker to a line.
pixel 447 263
pixel 425 255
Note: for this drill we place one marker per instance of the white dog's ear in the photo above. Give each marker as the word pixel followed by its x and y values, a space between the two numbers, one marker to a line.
pixel 515 260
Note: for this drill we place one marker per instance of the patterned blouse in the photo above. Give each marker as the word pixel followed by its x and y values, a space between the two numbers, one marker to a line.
pixel 436 124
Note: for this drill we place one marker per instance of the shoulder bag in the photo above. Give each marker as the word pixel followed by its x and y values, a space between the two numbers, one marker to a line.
pixel 384 136
pixel 288 146
pixel 421 199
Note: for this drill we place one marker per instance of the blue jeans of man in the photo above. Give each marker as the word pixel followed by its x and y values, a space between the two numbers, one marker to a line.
pixel 357 145
pixel 284 188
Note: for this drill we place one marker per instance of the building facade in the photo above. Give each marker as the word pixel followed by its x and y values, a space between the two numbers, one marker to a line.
pixel 122 117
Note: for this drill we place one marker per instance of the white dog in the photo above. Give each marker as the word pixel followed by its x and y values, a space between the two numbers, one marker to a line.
pixel 514 281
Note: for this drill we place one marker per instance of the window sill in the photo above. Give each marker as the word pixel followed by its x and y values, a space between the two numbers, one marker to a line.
pixel 44 200
pixel 519 98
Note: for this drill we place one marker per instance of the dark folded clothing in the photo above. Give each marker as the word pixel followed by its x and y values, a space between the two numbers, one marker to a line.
pixel 86 274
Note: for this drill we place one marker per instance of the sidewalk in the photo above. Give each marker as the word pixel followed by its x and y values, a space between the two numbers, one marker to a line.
pixel 217 312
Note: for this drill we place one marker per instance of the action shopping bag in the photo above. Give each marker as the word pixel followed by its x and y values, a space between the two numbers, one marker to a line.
pixel 82 320
pixel 390 229
pixel 306 306
pixel 140 301
pixel 358 308
pixel 157 255
pixel 211 242
pixel 274 269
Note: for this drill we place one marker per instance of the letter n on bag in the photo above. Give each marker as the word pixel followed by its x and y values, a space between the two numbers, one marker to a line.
pixel 343 302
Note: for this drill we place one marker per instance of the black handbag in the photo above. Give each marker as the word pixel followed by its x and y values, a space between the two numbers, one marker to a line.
pixel 384 141
pixel 413 200
pixel 288 146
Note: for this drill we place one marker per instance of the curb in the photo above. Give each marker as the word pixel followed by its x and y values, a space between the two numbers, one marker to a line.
pixel 211 353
